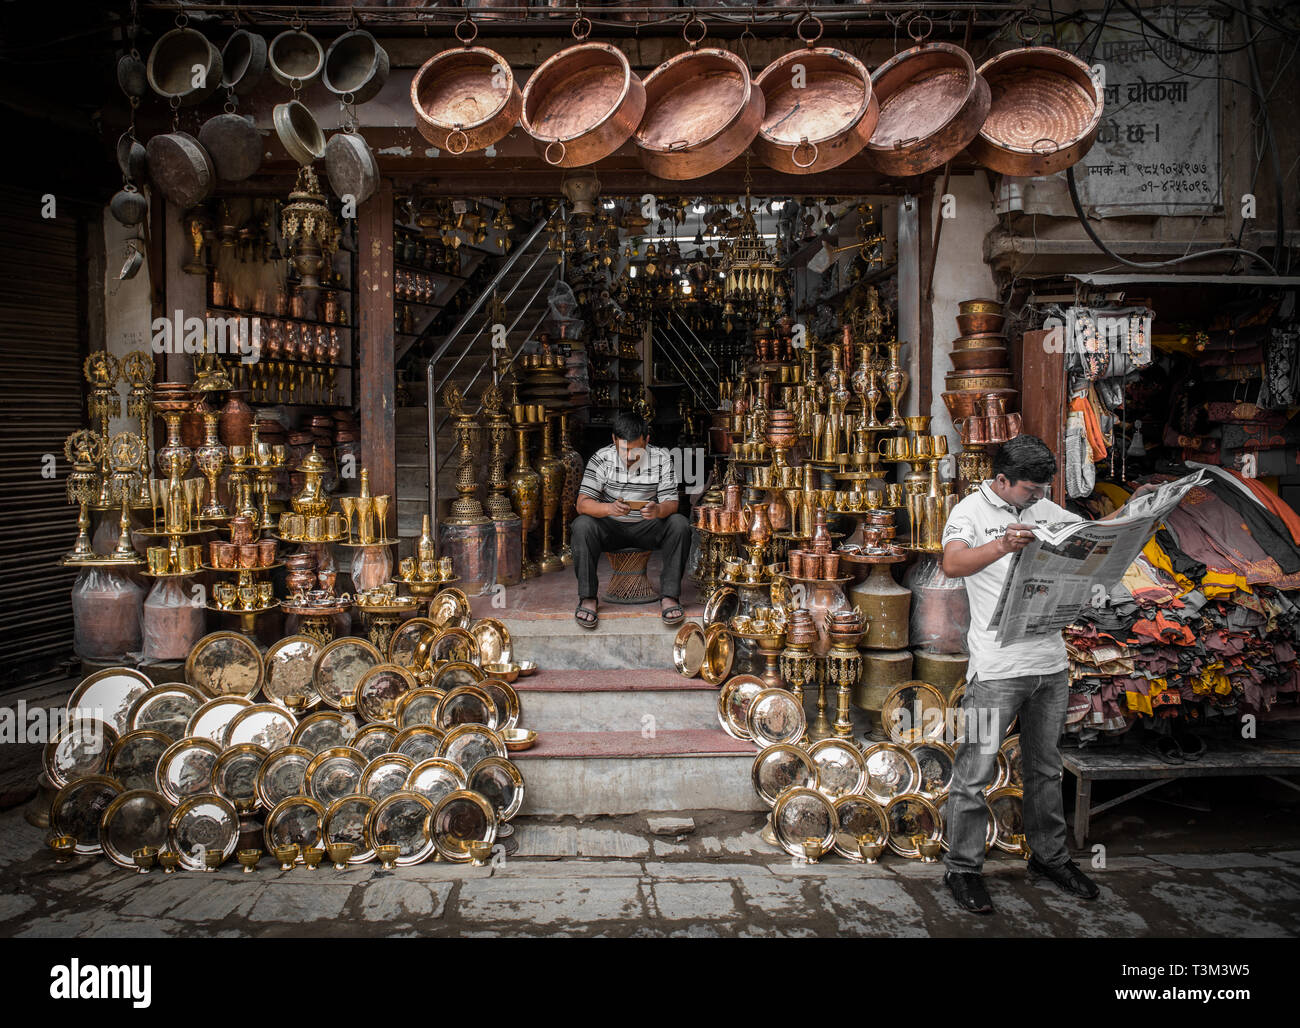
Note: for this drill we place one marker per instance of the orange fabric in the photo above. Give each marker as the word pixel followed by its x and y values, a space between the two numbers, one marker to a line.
pixel 1273 502
pixel 1092 427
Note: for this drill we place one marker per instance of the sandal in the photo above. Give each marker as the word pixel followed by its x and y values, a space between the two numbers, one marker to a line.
pixel 1167 749
pixel 672 615
pixel 586 617
pixel 1191 746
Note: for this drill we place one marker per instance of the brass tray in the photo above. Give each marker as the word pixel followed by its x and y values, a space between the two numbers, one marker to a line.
pixel 109 695
pixel 1007 804
pixel 78 810
pixel 499 782
pixel 263 724
pixel 719 654
pixel 166 709
pixel 733 704
pixel 450 609
pixel 385 775
pixel 405 640
pixel 225 664
pixel 841 771
pixel 457 673
pixel 466 705
pixel 133 760
pixel 323 730
pixel 721 606
pixel 891 771
pixel 201 823
pixel 402 820
pixel 935 760
pixel 506 700
pixel 899 710
pixel 775 716
pixel 298 820
pixel 345 822
pixel 373 740
pixel 333 773
pixel 379 689
pixel 857 816
pixel 234 775
pixel 289 665
pixel 461 817
pixel 283 774
pixel 81 748
pixel 909 816
pixel 419 742
pixel 466 745
pixel 135 819
pixel 689 650
pixel 456 645
pixel 493 640
pixel 801 814
pixel 212 719
pixel 185 769
pixel 781 767
pixel 417 707
pixel 435 778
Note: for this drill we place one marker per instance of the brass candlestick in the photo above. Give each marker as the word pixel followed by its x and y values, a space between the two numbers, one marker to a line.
pixel 82 449
pixel 466 509
pixel 497 503
pixel 821 727
pixel 843 666
pixel 210 459
pixel 102 371
pixel 138 370
pixel 797 667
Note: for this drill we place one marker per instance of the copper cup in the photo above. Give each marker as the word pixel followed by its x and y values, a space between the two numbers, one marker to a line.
pixel 830 565
pixel 266 552
pixel 795 558
pixel 248 555
pixel 241 530
pixel 214 552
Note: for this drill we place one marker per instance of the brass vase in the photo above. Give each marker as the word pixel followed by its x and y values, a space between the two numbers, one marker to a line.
pixel 525 495
pixel 551 469
pixel 210 459
pixel 896 380
pixel 574 466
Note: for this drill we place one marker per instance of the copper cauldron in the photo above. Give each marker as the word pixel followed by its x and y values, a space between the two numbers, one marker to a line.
pixel 967 360
pixel 356 66
pixel 173 62
pixel 582 104
pixel 466 98
pixel 702 111
pixel 822 123
pixel 1045 112
pixel 932 104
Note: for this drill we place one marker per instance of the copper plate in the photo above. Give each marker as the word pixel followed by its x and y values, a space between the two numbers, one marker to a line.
pixel 719 654
pixel 499 782
pixel 385 775
pixel 461 817
pixel 435 778
pixel 689 649
pixel 733 704
pixel 466 745
pixel 457 673
pixel 891 771
pixel 912 711
pixel 81 748
pixel 450 609
pixel 379 689
pixel 935 760
pixel 781 767
pixel 263 724
pixel 417 707
pixel 345 822
pixel 457 644
pixel 373 740
pixel 225 664
pixel 165 708
pixel 212 719
pixel 402 820
pixel 721 606
pixel 109 695
pixel 324 730
pixel 582 104
pixel 419 742
pixel 339 665
pixel 201 823
pixel 775 716
pixel 234 775
pixel 841 771
pixel 288 666
pixel 186 768
pixel 135 819
pixel 405 640
pixel 283 774
pixel 133 760
pixel 493 638
pixel 298 820
pixel 506 700
pixel 858 815
pixel 466 705
pixel 335 772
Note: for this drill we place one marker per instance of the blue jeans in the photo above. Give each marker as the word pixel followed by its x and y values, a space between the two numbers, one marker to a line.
pixel 990 706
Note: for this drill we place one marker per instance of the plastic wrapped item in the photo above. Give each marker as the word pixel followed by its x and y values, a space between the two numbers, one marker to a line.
pixel 106 609
pixel 473 553
pixel 172 621
pixel 562 312
pixel 940 610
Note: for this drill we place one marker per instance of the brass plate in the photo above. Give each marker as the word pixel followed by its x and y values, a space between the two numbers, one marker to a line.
pixel 506 700
pixel 402 820
pixel 186 768
pixel 466 745
pixel 891 771
pixel 379 689
pixel 721 606
pixel 1007 805
pixel 263 724
pixel 841 771
pixel 283 774
pixel 324 730
pixel 466 705
pixel 212 719
pixel 733 704
pixel 419 742
pixel 461 817
pixel 200 823
pixel 1010 751
pixel 435 778
pixel 298 819
pixel 289 665
pixel 345 821
pixel 457 673
pixel 456 644
pixel 333 773
pixel 133 760
pixel 417 707
pixel 858 815
pixel 801 814
pixel 689 650
pixel 908 816
pixel 81 748
pixel 719 654
pixel 78 810
pixel 406 638
pixel 493 640
pixel 109 695
pixel 899 712
pixel 234 775
pixel 166 709
pixel 339 667
pixel 1003 777
pixel 385 775
pixel 775 716
pixel 374 740
pixel 225 664
pixel 450 609
pixel 781 767
pixel 935 762
pixel 135 819
pixel 498 781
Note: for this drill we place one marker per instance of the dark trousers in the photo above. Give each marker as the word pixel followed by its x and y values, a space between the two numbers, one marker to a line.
pixel 590 537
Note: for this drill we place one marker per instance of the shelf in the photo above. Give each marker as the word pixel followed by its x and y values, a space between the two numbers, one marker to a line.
pixel 415 269
pixel 279 317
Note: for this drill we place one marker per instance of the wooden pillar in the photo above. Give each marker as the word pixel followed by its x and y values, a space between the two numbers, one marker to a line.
pixel 376 377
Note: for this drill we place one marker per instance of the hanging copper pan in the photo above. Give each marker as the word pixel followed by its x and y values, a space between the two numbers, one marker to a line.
pixel 702 111
pixel 932 104
pixel 1045 112
pixel 356 67
pixel 181 58
pixel 582 104
pixel 243 61
pixel 820 109
pixel 180 168
pixel 467 98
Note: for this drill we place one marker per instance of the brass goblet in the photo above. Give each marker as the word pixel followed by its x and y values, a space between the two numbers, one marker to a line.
pixel 144 858
pixel 312 856
pixel 64 846
pixel 340 853
pixel 869 848
pixel 286 855
pixel 387 856
pixel 213 859
pixel 249 859
pixel 170 861
pixel 480 852
pixel 812 850
pixel 381 514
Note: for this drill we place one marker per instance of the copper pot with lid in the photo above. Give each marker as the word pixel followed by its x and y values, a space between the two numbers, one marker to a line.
pixel 1045 112
pixel 702 111
pixel 932 104
pixel 820 119
pixel 465 98
pixel 582 103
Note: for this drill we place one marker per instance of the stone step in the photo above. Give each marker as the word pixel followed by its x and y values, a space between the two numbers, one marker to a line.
pixel 631 637
pixel 624 772
pixel 657 699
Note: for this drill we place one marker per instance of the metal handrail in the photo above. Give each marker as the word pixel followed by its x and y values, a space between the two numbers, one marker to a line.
pixel 697 379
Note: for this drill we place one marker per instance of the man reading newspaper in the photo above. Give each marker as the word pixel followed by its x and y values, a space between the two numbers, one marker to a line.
pixel 1028 677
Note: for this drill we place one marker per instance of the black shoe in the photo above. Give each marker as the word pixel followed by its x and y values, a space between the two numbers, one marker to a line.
pixel 968 890
pixel 1067 876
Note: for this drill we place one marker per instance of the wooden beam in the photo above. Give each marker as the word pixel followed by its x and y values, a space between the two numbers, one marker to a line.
pixel 377 399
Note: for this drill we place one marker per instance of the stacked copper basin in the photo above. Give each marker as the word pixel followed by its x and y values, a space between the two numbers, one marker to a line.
pixel 979 359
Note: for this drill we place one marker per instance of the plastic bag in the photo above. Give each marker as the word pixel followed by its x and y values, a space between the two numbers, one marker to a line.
pixel 474 555
pixel 173 620
pixel 106 610
pixel 940 610
pixel 562 312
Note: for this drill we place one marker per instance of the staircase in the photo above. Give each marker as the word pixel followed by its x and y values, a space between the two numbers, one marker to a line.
pixel 464 358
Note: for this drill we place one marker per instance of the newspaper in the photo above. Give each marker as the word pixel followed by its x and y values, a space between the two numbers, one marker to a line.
pixel 1069 563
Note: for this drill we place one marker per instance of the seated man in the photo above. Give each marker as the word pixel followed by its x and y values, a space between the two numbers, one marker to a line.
pixel 628 498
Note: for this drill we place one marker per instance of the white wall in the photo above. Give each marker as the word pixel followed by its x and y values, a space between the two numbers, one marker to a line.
pixel 126 307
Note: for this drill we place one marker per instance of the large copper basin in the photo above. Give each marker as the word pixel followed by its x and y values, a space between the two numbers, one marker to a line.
pixel 582 104
pixel 465 99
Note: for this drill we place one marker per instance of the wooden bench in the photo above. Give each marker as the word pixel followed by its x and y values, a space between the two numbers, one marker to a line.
pixel 1128 763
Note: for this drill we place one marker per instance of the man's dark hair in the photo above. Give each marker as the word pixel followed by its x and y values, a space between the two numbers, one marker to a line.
pixel 1024 457
pixel 629 426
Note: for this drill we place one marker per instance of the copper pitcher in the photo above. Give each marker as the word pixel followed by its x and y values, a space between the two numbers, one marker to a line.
pixel 974 431
pixel 731 497
pixel 757 524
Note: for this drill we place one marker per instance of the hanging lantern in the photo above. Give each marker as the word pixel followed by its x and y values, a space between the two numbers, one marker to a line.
pixel 309 229
pixel 750 269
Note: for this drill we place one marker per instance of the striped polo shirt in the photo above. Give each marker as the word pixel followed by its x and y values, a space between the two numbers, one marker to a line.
pixel 651 477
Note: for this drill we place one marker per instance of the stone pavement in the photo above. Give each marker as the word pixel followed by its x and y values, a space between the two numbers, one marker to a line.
pixel 616 877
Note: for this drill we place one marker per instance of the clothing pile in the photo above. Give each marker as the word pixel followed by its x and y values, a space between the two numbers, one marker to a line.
pixel 1201 626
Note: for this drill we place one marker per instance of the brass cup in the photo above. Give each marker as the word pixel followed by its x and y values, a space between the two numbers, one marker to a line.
pixel 480 852
pixel 145 858
pixel 287 855
pixel 445 568
pixel 812 850
pixel 170 861
pixel 157 556
pixel 265 594
pixel 387 856
pixel 316 529
pixel 895 494
pixel 917 423
pixel 869 849
pixel 64 846
pixel 857 499
pixel 213 859
pixel 296 702
pixel 249 859
pixel 929 851
pixel 340 853
pixel 406 568
pixel 312 856
pixel 939 445
pixel 923 446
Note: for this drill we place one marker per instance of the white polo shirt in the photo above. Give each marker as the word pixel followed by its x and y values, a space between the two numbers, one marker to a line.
pixel 977 519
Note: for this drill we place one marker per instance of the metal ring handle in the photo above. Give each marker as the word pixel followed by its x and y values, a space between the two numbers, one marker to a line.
pixel 694 19
pixel 473 30
pixel 546 154
pixel 580 33
pixel 804 19
pixel 1028 38
pixel 922 36
pixel 451 135
pixel 1045 139
pixel 795 159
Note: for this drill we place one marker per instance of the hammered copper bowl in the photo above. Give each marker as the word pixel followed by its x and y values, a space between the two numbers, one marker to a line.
pixel 582 104
pixel 965 360
pixel 977 324
pixel 968 403
pixel 462 100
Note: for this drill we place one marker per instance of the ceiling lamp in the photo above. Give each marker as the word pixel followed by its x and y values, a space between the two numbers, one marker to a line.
pixel 309 229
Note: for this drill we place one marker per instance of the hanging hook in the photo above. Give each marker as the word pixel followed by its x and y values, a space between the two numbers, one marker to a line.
pixel 354 22
pixel 694 19
pixel 1028 38
pixel 804 19
pixel 581 27
pixel 466 24
pixel 919 37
